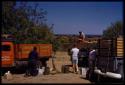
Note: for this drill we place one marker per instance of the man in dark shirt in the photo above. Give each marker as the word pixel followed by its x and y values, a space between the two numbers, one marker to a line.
pixel 33 55
pixel 32 62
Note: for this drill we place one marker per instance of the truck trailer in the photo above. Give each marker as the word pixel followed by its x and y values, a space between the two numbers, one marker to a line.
pixel 110 58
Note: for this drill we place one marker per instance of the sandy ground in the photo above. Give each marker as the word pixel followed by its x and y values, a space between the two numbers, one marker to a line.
pixel 62 58
pixel 57 78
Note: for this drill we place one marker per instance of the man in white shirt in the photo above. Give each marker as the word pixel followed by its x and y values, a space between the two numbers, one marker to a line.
pixel 75 52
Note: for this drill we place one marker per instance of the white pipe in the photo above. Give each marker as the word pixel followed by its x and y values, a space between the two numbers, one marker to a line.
pixel 108 74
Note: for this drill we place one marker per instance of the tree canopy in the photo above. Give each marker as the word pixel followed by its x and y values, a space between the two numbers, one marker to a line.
pixel 26 23
pixel 114 30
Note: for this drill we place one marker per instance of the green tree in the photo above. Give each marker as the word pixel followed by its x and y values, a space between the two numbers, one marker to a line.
pixel 39 34
pixel 114 30
pixel 8 18
pixel 25 23
pixel 64 39
pixel 56 45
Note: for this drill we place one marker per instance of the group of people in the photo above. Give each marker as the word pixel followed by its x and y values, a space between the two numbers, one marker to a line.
pixel 75 54
pixel 33 57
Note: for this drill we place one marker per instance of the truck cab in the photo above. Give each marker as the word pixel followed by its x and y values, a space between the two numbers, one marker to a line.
pixel 7 51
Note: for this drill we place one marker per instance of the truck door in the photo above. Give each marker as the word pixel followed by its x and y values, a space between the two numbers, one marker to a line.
pixel 7 50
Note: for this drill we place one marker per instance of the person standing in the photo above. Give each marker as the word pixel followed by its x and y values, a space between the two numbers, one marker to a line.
pixel 82 58
pixel 75 52
pixel 91 60
pixel 81 37
pixel 32 63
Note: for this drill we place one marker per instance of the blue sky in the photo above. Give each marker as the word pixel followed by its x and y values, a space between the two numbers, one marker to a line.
pixel 89 17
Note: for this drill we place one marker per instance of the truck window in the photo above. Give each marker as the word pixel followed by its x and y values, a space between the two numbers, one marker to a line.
pixel 5 48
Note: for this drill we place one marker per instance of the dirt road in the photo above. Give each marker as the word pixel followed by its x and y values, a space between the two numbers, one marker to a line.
pixel 57 78
pixel 61 59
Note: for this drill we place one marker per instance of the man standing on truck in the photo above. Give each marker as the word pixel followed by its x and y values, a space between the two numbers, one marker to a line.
pixel 75 52
pixel 32 63
pixel 81 37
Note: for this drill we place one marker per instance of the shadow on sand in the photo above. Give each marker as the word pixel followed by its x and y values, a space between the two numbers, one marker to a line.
pixel 14 70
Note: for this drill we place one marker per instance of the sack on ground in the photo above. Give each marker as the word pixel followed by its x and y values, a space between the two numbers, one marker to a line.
pixel 41 70
pixel 8 75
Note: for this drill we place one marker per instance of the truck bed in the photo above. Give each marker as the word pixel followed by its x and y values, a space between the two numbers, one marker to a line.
pixel 22 50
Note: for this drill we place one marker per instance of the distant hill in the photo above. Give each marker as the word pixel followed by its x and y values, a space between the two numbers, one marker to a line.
pixel 71 35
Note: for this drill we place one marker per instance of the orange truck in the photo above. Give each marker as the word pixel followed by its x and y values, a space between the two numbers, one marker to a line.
pixel 17 54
